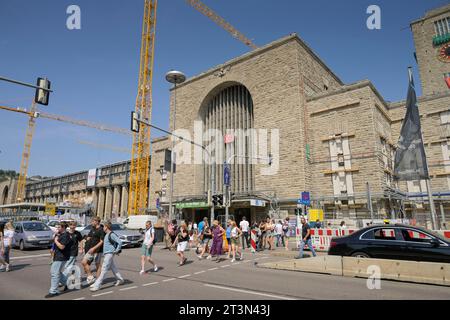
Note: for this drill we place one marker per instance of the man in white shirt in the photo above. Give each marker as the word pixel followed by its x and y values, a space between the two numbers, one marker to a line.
pixel 147 247
pixel 245 235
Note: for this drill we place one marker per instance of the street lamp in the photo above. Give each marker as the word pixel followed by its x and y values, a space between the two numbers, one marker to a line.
pixel 175 77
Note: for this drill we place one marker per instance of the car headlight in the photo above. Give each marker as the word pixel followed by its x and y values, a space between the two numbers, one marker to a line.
pixel 123 238
pixel 30 238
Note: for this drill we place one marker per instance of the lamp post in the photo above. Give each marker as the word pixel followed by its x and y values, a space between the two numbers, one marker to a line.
pixel 175 77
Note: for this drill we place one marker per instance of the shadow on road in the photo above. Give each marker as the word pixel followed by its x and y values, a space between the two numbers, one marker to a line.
pixel 17 267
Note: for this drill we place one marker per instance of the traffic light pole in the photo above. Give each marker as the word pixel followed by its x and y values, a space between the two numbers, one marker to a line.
pixel 25 84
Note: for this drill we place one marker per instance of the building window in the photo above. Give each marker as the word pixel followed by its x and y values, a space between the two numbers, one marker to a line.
pixel 341 160
pixel 442 27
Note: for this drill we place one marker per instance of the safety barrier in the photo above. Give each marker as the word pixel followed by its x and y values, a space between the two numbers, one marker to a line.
pixel 253 238
pixel 321 238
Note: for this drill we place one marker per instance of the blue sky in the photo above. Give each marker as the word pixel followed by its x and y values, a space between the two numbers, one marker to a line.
pixel 94 71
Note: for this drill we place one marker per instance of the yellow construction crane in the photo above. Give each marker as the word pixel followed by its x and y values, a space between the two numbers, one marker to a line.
pixel 26 154
pixel 84 123
pixel 200 6
pixel 33 114
pixel 140 154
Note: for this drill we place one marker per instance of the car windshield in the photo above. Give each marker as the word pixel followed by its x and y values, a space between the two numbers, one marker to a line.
pixel 118 226
pixel 35 226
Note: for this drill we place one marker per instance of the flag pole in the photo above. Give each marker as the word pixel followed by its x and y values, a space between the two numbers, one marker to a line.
pixel 430 193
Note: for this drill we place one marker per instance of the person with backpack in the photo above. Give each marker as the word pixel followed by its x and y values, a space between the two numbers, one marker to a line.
pixel 112 245
pixel 147 247
pixel 172 230
pixel 181 239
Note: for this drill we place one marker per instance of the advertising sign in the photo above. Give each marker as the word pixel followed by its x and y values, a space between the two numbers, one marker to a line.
pixel 92 174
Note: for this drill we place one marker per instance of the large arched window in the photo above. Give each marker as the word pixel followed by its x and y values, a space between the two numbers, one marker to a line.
pixel 230 111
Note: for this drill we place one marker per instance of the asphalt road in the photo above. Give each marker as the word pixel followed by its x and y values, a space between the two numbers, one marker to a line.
pixel 203 280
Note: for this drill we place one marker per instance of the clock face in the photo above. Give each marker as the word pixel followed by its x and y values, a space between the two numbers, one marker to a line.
pixel 444 53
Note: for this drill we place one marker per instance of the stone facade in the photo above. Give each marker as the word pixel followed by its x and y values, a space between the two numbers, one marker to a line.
pixel 335 140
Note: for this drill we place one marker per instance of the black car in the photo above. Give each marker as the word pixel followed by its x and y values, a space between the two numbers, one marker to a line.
pixel 398 242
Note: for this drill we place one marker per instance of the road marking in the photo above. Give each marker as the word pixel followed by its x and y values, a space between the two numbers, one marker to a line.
pixel 185 276
pixel 213 269
pixel 250 292
pixel 199 272
pixel 236 263
pixel 34 256
pixel 102 294
pixel 79 298
pixel 128 288
pixel 169 279
pixel 264 258
pixel 246 261
pixel 227 265
pixel 149 284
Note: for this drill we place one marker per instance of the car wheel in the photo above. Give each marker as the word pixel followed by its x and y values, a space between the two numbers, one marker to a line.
pixel 21 245
pixel 360 255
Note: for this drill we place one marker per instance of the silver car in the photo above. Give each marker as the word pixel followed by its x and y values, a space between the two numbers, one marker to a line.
pixel 129 238
pixel 32 234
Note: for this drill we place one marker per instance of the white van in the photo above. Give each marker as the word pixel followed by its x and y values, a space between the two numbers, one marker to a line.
pixel 138 221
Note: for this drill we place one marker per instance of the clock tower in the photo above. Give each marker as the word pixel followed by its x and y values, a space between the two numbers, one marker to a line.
pixel 432 40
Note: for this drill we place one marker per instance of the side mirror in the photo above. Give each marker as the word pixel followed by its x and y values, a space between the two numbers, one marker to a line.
pixel 435 242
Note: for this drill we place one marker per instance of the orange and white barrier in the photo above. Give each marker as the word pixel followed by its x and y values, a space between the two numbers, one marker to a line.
pixel 321 238
pixel 253 238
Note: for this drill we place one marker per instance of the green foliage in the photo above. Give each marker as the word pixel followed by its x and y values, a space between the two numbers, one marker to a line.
pixel 5 174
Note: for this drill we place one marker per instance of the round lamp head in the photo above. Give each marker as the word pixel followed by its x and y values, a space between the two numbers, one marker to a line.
pixel 175 77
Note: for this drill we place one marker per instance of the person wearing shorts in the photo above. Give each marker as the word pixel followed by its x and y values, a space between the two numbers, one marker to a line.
pixel 205 237
pixel 93 249
pixel 181 241
pixel 235 234
pixel 147 247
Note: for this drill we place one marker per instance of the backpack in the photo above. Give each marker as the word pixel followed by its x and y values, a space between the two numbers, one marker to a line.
pixel 114 243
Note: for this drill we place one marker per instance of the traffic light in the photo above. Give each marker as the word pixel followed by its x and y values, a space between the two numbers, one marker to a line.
pixel 42 96
pixel 134 121
pixel 217 200
pixel 298 211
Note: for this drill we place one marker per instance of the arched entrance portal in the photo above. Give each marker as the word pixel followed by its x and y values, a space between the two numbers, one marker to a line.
pixel 230 113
